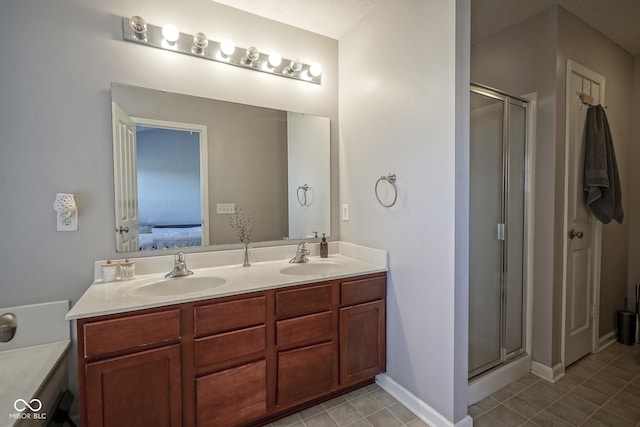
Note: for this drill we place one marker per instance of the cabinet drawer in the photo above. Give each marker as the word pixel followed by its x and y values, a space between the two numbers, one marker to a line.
pixel 229 315
pixel 308 329
pixel 306 300
pixel 230 345
pixel 108 336
pixel 363 290
pixel 233 397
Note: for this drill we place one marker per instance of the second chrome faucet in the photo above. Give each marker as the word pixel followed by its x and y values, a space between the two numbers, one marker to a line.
pixel 179 267
pixel 301 254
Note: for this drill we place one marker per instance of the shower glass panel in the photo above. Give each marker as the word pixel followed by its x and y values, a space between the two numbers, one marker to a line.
pixel 496 229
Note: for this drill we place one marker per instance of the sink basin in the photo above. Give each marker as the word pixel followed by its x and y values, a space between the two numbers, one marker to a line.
pixel 177 286
pixel 311 269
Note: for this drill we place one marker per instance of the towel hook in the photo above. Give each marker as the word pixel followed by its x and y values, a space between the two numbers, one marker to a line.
pixel 304 189
pixel 391 179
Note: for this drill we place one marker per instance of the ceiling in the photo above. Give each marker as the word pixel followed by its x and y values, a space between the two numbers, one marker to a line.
pixel 616 19
pixel 331 18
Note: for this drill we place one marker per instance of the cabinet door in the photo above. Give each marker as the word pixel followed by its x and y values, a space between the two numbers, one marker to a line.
pixel 142 389
pixel 362 341
pixel 232 397
pixel 305 373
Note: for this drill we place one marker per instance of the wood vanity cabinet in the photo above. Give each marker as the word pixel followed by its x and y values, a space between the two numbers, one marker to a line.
pixel 242 360
pixel 362 328
pixel 130 370
pixel 230 359
pixel 306 342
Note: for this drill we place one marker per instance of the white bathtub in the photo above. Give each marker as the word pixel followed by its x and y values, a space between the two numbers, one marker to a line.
pixel 33 365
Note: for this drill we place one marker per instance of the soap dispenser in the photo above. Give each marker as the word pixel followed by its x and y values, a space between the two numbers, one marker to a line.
pixel 324 247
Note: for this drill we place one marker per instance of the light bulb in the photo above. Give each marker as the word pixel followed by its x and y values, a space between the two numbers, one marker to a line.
pixel 294 66
pixel 200 40
pixel 227 47
pixel 251 55
pixel 315 69
pixel 139 26
pixel 170 33
pixel 275 59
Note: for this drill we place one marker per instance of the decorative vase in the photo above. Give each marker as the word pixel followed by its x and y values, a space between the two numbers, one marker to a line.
pixel 247 261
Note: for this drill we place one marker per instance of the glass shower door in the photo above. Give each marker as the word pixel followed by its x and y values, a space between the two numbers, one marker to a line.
pixel 496 229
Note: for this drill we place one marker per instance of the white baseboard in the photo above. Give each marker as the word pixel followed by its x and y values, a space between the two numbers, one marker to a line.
pixel 547 373
pixel 607 339
pixel 501 377
pixel 423 411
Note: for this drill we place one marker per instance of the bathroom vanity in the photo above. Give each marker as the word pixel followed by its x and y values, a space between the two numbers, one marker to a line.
pixel 245 356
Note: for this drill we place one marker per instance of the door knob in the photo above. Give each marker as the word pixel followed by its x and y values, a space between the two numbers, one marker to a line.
pixel 122 229
pixel 573 234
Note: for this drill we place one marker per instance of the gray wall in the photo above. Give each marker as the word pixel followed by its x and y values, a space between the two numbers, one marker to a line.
pixel 531 56
pixel 58 61
pixel 55 119
pixel 168 165
pixel 399 115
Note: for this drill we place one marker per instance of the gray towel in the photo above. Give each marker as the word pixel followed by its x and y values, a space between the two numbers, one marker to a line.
pixel 601 180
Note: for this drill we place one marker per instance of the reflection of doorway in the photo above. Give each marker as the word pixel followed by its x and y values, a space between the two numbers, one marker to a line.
pixel 172 184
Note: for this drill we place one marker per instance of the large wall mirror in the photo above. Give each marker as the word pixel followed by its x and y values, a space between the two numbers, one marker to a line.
pixel 184 165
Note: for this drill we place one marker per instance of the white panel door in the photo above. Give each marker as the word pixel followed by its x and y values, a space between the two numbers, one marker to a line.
pixel 582 232
pixel 126 186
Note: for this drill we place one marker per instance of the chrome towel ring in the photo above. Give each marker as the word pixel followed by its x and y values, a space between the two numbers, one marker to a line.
pixel 304 189
pixel 391 179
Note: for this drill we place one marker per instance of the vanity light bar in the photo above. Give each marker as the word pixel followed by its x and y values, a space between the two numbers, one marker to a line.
pixel 136 30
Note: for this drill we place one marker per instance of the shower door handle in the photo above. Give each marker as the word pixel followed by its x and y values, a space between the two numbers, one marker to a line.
pixel 573 234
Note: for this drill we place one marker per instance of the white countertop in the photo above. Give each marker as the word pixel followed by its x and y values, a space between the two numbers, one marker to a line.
pixel 344 260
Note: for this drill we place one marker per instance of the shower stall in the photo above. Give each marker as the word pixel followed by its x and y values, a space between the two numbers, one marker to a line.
pixel 497 228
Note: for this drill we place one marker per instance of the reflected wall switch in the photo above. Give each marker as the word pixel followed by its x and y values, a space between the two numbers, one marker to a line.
pixel 345 211
pixel 225 208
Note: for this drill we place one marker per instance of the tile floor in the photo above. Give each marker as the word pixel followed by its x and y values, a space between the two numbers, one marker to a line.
pixel 600 390
pixel 366 407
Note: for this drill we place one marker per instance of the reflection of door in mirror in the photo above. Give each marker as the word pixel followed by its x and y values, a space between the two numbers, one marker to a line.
pixel 171 172
pixel 126 193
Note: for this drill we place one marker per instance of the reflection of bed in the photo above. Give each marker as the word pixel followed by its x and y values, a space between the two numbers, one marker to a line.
pixel 161 237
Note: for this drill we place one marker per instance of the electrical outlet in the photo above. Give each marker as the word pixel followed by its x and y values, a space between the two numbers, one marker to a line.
pixel 225 208
pixel 345 211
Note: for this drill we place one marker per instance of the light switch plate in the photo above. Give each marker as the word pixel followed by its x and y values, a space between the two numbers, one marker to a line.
pixel 345 211
pixel 225 208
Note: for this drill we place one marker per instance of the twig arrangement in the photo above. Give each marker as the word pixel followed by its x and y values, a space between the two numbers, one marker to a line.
pixel 243 224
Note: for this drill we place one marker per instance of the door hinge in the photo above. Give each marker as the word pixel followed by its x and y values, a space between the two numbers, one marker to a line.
pixel 594 312
pixel 500 231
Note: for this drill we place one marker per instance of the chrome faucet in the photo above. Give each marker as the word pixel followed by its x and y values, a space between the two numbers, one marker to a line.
pixel 301 254
pixel 179 267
